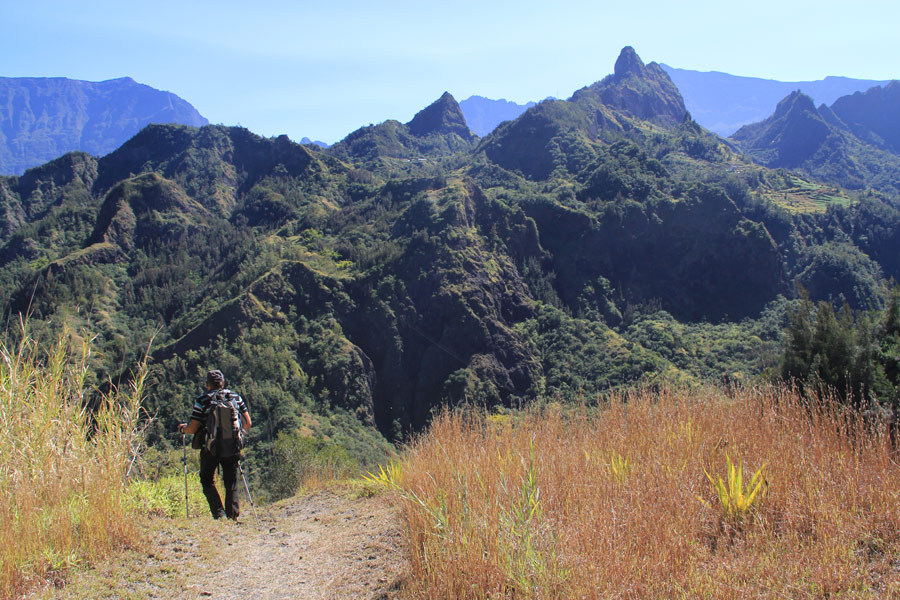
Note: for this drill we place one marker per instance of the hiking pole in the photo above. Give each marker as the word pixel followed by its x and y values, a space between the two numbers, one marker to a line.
pixel 249 497
pixel 184 460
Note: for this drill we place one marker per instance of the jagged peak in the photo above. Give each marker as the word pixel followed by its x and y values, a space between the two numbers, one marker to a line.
pixel 639 90
pixel 796 100
pixel 628 63
pixel 441 116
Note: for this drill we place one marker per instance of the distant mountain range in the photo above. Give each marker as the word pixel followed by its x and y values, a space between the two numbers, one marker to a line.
pixel 719 102
pixel 483 114
pixel 724 103
pixel 43 118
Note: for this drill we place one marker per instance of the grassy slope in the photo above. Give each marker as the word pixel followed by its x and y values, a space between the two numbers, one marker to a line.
pixel 617 502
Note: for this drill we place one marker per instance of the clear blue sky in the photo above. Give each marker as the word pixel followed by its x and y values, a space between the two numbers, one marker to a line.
pixel 322 69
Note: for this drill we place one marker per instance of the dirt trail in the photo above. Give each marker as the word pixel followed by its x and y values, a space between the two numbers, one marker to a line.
pixel 326 545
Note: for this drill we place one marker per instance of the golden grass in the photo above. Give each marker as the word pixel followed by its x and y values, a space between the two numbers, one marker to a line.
pixel 615 502
pixel 62 467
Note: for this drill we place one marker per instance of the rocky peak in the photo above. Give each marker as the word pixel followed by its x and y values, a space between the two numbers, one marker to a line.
pixel 640 91
pixel 795 101
pixel 443 116
pixel 628 63
pixel 791 136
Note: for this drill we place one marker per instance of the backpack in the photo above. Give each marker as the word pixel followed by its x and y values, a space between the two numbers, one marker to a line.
pixel 224 426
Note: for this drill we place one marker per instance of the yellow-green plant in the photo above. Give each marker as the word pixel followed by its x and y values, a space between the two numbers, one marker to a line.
pixel 736 499
pixel 619 466
pixel 387 477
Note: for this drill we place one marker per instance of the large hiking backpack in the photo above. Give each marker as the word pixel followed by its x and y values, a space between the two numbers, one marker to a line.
pixel 224 426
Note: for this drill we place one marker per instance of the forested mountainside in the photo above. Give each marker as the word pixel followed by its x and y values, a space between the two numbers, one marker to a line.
pixel 42 118
pixel 591 243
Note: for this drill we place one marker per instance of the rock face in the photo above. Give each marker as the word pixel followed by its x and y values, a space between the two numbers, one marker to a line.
pixel 43 118
pixel 535 144
pixel 442 117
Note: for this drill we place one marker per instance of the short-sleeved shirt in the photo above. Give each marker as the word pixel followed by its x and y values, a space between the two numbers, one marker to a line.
pixel 201 404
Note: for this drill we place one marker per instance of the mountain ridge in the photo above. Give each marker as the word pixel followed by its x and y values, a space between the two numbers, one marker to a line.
pixel 437 130
pixel 43 118
pixel 577 248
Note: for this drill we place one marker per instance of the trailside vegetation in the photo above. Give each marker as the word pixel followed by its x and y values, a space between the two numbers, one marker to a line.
pixel 761 492
pixel 65 454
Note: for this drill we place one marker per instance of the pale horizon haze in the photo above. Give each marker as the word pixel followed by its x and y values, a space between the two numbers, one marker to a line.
pixel 323 70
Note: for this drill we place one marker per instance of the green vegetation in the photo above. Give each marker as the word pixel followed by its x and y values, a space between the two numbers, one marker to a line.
pixel 800 195
pixel 736 500
pixel 853 355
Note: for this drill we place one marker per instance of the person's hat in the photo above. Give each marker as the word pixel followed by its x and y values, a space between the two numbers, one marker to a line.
pixel 215 379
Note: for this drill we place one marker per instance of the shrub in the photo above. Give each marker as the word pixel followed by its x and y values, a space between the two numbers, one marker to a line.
pixel 300 460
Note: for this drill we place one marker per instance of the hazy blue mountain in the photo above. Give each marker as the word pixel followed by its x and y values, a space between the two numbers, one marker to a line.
pixel 873 116
pixel 854 143
pixel 483 114
pixel 724 103
pixel 318 143
pixel 43 118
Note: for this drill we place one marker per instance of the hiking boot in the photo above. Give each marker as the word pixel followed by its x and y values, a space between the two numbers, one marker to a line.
pixel 219 514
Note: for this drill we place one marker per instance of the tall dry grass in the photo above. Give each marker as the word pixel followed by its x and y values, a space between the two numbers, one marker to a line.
pixel 615 501
pixel 62 466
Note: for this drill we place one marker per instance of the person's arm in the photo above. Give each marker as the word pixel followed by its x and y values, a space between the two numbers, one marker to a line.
pixel 190 428
pixel 245 419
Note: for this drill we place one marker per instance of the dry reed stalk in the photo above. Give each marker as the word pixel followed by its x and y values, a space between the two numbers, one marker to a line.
pixel 615 502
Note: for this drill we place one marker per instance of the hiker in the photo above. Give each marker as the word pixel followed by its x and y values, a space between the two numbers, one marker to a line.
pixel 219 422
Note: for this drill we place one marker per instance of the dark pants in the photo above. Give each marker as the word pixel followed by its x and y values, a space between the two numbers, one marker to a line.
pixel 208 465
